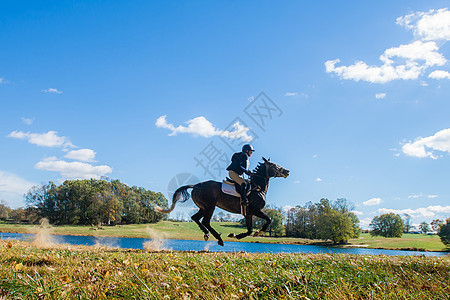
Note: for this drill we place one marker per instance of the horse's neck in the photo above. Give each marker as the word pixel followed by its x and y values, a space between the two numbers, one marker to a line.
pixel 262 182
pixel 266 186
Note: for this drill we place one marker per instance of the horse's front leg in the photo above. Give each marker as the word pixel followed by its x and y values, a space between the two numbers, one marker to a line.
pixel 249 223
pixel 263 215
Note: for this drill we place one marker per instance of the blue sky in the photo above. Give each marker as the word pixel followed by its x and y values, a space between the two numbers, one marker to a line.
pixel 353 99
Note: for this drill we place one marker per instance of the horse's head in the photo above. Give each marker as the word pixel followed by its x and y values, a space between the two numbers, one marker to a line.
pixel 274 170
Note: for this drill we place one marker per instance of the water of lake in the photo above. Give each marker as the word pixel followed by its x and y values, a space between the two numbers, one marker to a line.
pixel 190 245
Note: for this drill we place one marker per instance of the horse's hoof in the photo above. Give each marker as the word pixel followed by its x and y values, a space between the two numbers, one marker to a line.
pixel 206 237
pixel 220 243
pixel 232 235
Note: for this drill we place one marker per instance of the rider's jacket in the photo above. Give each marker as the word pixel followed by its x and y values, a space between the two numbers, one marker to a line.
pixel 239 163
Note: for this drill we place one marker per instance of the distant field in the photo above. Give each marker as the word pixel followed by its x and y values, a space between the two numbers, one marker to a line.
pixel 412 241
pixel 79 272
pixel 190 231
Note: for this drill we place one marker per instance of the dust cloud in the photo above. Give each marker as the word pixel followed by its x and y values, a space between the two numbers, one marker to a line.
pixel 43 237
pixel 158 242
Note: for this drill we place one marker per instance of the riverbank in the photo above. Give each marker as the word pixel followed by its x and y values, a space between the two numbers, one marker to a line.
pixel 67 272
pixel 190 231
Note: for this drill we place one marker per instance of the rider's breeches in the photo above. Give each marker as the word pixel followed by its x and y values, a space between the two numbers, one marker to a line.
pixel 233 175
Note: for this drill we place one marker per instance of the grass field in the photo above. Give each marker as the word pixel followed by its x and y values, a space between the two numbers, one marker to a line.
pixel 190 231
pixel 407 241
pixel 72 272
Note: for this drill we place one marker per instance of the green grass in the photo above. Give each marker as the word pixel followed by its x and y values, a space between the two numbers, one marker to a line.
pixel 190 231
pixel 407 241
pixel 69 272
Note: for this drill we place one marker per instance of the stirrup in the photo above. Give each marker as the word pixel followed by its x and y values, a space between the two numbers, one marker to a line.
pixel 244 203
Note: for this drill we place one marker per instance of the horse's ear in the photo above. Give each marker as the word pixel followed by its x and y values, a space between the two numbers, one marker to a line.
pixel 265 160
pixel 269 159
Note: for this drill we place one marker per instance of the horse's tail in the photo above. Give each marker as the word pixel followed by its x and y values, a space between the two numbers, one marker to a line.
pixel 180 195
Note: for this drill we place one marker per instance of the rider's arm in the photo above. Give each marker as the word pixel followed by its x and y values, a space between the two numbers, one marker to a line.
pixel 249 173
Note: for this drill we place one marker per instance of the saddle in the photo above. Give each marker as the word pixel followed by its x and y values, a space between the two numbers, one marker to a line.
pixel 230 187
pixel 237 187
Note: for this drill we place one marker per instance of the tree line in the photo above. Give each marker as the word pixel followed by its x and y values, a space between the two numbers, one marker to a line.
pixel 93 202
pixel 392 225
pixel 324 220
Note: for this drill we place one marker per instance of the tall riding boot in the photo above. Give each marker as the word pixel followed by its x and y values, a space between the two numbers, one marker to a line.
pixel 244 193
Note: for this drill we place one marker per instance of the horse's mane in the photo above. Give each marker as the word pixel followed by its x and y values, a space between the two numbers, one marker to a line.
pixel 260 172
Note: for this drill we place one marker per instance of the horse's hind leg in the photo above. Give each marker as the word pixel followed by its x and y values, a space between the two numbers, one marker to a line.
pixel 206 222
pixel 196 217
pixel 249 223
pixel 264 216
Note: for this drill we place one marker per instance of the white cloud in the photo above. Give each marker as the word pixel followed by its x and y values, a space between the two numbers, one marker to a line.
pixel 429 26
pixel 73 170
pixel 380 95
pixel 408 61
pixel 13 184
pixel 27 121
pixel 426 147
pixel 12 188
pixel 364 223
pixel 426 212
pixel 414 196
pixel 318 179
pixel 290 94
pixel 200 126
pixel 297 181
pixel 403 62
pixel 439 74
pixel 357 212
pixel 86 155
pixel 48 139
pixel 373 201
pixel 1 80
pixel 51 90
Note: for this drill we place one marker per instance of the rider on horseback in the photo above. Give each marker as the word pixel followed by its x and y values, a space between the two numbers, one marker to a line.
pixel 239 164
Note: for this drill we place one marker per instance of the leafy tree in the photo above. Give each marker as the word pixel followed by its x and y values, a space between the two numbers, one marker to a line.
pixel 436 224
pixel 18 215
pixel 42 198
pixel 291 221
pixel 387 225
pixel 424 227
pixel 92 202
pixel 335 226
pixel 276 227
pixel 444 232
pixel 5 210
pixel 356 230
pixel 328 220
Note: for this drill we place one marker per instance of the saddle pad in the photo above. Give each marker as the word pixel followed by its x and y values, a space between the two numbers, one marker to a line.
pixel 230 190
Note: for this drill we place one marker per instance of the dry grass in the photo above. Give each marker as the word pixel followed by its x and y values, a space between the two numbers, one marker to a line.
pixel 74 272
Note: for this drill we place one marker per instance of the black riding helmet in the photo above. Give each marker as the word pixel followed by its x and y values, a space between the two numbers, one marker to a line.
pixel 247 147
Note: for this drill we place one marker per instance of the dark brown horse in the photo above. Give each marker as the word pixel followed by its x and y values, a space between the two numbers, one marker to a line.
pixel 208 194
